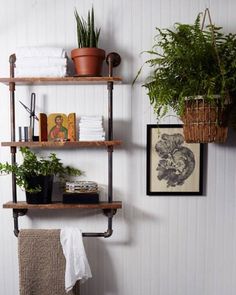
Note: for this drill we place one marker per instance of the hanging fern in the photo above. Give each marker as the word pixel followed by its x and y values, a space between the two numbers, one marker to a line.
pixel 188 61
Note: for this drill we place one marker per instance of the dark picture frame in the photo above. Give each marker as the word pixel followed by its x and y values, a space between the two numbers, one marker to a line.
pixel 174 167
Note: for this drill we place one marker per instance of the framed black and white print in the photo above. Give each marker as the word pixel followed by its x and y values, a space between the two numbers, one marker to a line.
pixel 174 167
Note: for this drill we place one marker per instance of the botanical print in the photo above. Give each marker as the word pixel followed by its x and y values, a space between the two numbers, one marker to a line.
pixel 176 162
pixel 174 167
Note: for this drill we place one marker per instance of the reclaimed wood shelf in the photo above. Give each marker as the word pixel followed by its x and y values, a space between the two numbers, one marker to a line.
pixel 21 205
pixel 63 144
pixel 60 81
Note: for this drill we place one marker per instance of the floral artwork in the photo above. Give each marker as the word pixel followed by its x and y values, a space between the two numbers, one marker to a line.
pixel 176 162
pixel 173 166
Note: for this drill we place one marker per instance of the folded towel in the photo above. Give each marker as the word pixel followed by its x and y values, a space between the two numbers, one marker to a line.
pixel 87 133
pixel 91 128
pixel 54 71
pixel 77 266
pixel 91 118
pixel 42 263
pixel 40 61
pixel 40 51
pixel 85 121
pixel 92 138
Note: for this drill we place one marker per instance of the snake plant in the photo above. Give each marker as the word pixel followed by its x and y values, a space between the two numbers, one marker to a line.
pixel 87 33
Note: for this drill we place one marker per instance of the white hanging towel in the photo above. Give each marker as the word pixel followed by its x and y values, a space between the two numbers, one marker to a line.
pixel 31 51
pixel 77 266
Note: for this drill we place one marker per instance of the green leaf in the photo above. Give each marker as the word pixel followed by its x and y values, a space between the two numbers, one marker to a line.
pixel 34 165
pixel 87 34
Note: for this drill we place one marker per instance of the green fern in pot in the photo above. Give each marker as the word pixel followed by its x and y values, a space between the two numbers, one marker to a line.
pixel 192 66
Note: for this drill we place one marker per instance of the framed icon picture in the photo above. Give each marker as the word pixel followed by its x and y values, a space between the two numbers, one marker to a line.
pixel 57 127
pixel 174 167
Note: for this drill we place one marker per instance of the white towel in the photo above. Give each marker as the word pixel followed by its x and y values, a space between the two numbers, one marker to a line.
pixel 54 71
pixel 44 61
pixel 91 128
pixel 77 266
pixel 87 132
pixel 91 118
pixel 90 133
pixel 92 138
pixel 39 51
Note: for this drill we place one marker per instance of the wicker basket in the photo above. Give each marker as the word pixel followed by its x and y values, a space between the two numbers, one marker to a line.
pixel 204 122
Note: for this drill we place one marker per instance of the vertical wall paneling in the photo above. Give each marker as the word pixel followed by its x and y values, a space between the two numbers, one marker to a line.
pixel 161 245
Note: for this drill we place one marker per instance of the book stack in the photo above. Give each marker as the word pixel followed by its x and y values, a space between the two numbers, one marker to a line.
pixel 91 128
pixel 81 192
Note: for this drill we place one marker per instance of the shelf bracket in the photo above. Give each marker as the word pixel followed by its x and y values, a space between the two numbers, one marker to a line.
pixel 113 59
pixel 109 212
pixel 16 214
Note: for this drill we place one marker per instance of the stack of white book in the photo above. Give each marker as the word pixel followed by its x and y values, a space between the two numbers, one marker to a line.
pixel 91 128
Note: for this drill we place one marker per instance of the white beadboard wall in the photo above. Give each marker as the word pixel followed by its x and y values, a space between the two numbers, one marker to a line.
pixel 161 245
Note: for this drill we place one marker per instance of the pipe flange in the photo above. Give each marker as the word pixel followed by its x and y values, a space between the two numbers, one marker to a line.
pixel 20 212
pixel 114 58
pixel 109 212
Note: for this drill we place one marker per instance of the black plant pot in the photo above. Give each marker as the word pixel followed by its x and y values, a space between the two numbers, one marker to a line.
pixel 45 195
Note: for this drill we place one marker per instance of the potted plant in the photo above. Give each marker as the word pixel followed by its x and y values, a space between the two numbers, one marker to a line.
pixel 35 175
pixel 194 73
pixel 87 57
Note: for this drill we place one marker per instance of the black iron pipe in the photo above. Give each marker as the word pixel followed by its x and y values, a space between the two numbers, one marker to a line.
pixel 110 110
pixel 110 137
pixel 12 60
pixel 15 218
pixel 110 175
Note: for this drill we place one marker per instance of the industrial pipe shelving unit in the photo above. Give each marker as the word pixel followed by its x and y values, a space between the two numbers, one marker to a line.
pixel 110 207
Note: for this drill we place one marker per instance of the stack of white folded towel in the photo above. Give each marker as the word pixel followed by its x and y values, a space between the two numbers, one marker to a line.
pixel 40 62
pixel 91 128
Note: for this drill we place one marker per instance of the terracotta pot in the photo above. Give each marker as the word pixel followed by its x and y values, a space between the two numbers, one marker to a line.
pixel 88 61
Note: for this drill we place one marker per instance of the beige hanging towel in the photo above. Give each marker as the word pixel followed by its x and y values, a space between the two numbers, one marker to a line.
pixel 42 263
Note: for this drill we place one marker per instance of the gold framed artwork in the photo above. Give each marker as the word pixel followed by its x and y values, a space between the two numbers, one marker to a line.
pixel 57 127
pixel 173 166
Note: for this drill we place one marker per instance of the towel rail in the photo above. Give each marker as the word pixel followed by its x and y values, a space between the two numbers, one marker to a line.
pixel 108 212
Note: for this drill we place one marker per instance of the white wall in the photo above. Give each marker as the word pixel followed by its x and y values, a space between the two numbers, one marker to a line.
pixel 161 245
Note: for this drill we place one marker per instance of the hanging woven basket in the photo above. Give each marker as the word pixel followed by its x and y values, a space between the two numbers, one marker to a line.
pixel 204 122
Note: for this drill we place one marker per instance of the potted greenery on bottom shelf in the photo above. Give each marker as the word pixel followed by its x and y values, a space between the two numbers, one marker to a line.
pixel 35 175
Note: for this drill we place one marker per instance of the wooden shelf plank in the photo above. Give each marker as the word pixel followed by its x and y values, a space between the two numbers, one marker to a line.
pixel 65 144
pixel 58 205
pixel 60 81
